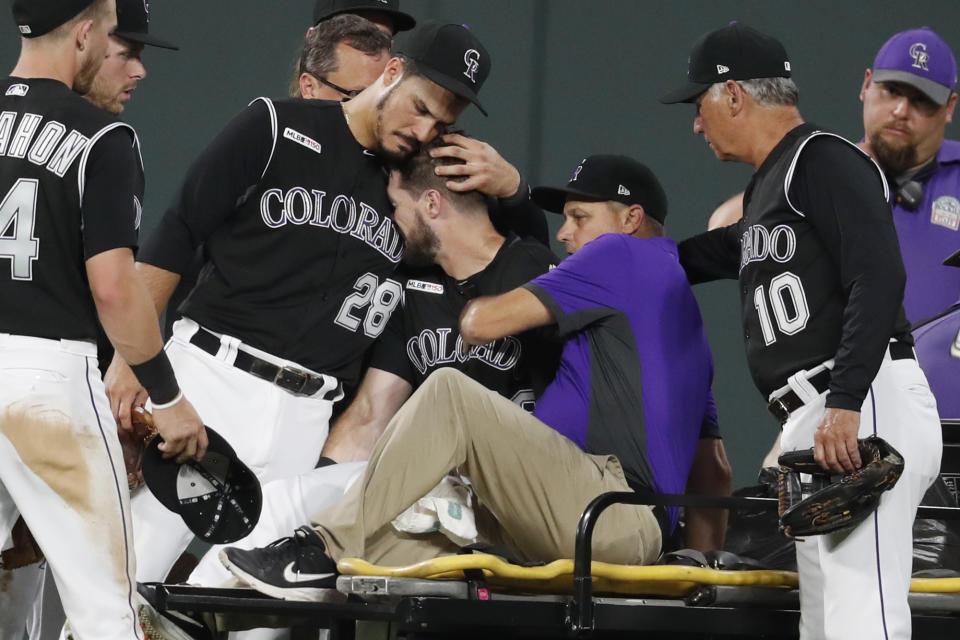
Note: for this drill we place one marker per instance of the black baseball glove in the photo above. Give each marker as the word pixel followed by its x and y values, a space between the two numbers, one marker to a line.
pixel 843 501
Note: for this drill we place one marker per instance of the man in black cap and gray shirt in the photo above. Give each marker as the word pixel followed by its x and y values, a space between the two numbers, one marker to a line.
pixel 828 345
pixel 290 204
pixel 68 178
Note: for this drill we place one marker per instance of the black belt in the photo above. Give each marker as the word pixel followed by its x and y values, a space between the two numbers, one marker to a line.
pixel 297 381
pixel 782 407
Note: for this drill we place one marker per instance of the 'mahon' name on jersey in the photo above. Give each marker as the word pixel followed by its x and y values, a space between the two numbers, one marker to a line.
pixel 71 183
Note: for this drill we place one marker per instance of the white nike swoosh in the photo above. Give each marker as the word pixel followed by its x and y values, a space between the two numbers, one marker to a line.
pixel 294 576
pixel 368 153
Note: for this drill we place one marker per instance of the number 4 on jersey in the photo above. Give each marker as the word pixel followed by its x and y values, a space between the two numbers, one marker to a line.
pixel 17 217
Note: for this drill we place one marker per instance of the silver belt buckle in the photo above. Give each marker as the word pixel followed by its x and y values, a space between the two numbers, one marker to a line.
pixel 291 379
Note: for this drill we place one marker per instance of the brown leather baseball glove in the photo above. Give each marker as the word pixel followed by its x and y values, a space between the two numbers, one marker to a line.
pixel 134 443
pixel 24 551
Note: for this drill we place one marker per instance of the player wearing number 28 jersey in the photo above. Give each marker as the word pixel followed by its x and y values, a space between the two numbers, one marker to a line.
pixel 290 204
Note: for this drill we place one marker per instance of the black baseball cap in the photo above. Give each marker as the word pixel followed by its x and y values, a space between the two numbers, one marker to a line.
pixel 133 20
pixel 733 52
pixel 608 177
pixel 451 56
pixel 35 18
pixel 219 497
pixel 325 9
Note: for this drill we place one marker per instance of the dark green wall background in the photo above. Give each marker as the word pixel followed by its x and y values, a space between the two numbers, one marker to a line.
pixel 569 78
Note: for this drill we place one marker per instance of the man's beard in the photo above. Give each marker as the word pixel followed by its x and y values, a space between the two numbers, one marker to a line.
pixel 100 96
pixel 389 155
pixel 421 245
pixel 893 159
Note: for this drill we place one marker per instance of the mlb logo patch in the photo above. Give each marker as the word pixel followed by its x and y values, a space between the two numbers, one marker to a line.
pixel 301 139
pixel 946 212
pixel 426 287
pixel 18 90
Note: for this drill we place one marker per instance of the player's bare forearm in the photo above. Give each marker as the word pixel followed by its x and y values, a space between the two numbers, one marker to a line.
pixel 709 475
pixel 835 441
pixel 124 306
pixel 490 317
pixel 353 436
pixel 160 284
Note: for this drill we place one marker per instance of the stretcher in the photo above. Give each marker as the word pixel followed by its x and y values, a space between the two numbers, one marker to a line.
pixel 479 595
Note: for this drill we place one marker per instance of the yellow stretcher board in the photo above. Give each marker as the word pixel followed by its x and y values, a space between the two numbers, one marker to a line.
pixel 557 577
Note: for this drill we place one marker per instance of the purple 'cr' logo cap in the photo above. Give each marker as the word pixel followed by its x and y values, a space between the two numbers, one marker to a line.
pixel 920 58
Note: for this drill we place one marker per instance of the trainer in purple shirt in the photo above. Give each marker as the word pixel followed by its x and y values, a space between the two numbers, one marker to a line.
pixel 909 97
pixel 635 373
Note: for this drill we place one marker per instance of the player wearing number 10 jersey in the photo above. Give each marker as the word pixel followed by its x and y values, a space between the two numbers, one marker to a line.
pixel 290 204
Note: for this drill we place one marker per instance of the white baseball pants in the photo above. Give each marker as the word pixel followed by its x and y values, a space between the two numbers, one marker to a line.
pixel 62 469
pixel 854 583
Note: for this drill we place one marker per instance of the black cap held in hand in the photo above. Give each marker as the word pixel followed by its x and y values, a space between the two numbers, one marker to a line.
pixel 451 56
pixel 608 178
pixel 35 18
pixel 219 497
pixel 133 21
pixel 734 52
pixel 326 9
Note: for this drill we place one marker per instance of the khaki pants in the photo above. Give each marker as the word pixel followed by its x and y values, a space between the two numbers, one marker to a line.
pixel 533 480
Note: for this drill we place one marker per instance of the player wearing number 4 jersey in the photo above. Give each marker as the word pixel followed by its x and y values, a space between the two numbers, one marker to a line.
pixel 290 204
pixel 69 181
pixel 827 340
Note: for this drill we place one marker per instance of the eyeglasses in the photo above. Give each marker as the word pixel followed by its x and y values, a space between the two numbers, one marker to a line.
pixel 349 93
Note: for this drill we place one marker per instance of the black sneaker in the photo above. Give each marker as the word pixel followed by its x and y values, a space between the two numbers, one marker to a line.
pixel 294 568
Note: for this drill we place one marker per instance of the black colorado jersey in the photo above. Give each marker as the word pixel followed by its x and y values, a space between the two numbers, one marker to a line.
pixel 71 183
pixel 425 335
pixel 818 262
pixel 299 244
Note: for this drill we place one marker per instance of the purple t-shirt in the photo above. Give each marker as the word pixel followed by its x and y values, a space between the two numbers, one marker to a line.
pixel 938 351
pixel 930 234
pixel 634 376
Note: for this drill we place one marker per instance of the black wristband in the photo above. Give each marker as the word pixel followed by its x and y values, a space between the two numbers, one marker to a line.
pixel 156 376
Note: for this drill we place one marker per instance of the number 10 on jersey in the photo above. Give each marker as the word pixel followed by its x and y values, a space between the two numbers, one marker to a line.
pixel 789 303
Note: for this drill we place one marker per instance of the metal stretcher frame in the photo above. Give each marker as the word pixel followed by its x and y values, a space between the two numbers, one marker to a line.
pixel 712 611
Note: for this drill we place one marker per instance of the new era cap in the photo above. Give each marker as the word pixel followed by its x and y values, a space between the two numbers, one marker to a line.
pixel 35 18
pixel 608 177
pixel 324 9
pixel 133 21
pixel 451 56
pixel 733 52
pixel 218 497
pixel 920 58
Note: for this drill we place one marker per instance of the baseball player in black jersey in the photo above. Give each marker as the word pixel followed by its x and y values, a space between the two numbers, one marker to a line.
pixel 69 175
pixel 111 89
pixel 290 204
pixel 827 340
pixel 452 254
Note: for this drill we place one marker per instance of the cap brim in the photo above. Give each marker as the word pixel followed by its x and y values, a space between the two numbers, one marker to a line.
pixel 933 90
pixel 687 93
pixel 401 21
pixel 455 87
pixel 553 198
pixel 145 38
pixel 953 260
